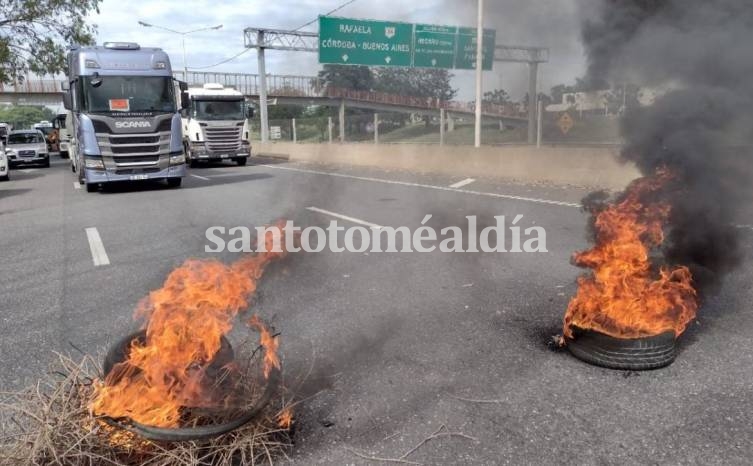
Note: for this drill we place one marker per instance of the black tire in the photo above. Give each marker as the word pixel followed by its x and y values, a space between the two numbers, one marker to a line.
pixel 91 188
pixel 174 182
pixel 193 163
pixel 63 155
pixel 635 354
pixel 46 163
pixel 241 161
pixel 5 177
pixel 225 355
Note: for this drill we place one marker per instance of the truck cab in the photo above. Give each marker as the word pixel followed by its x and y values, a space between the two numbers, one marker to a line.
pixel 125 122
pixel 215 125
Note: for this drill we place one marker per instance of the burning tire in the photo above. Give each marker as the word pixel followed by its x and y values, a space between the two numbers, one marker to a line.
pixel 119 354
pixel 627 354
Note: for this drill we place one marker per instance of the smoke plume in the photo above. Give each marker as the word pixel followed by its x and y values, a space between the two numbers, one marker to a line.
pixel 701 129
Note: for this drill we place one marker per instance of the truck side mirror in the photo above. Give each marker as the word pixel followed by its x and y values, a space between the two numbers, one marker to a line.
pixel 183 86
pixel 249 112
pixel 185 102
pixel 67 101
pixel 65 86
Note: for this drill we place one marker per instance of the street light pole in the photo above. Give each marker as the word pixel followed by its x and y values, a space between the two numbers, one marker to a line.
pixel 183 35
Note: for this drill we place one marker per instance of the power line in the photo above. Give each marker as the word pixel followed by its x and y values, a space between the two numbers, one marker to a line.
pixel 222 62
pixel 326 14
pixel 334 10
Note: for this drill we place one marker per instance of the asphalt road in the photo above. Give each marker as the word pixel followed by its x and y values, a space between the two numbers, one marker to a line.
pixel 398 344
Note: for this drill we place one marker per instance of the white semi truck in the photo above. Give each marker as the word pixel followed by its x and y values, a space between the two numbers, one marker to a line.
pixel 215 125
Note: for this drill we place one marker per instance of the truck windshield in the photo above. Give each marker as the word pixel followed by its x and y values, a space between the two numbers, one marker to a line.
pixel 218 109
pixel 129 94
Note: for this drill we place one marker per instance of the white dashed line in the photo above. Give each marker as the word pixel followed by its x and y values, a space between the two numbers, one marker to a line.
pixel 200 177
pixel 28 170
pixel 345 217
pixel 460 184
pixel 76 185
pixel 99 255
pixel 428 186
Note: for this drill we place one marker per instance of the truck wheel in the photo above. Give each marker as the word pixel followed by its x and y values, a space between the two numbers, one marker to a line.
pixel 91 187
pixel 63 155
pixel 241 161
pixel 47 163
pixel 174 182
pixel 5 178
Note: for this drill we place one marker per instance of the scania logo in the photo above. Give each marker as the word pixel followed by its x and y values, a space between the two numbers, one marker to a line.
pixel 133 124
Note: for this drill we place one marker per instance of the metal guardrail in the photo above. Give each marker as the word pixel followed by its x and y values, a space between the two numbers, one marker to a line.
pixel 290 86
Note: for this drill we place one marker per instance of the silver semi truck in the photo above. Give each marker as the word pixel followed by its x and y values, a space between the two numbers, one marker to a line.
pixel 125 121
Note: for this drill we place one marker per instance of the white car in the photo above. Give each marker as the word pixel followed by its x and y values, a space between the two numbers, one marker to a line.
pixel 27 147
pixel 4 165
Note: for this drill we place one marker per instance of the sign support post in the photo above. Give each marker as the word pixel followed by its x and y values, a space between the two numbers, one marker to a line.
pixel 479 70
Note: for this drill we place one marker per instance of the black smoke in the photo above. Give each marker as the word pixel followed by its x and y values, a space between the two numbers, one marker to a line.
pixel 700 53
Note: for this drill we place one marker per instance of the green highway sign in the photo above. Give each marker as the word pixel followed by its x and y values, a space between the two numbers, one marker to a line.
pixel 465 58
pixel 346 41
pixel 356 42
pixel 434 46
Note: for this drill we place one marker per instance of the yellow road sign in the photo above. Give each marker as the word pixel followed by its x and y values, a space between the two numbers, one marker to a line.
pixel 565 123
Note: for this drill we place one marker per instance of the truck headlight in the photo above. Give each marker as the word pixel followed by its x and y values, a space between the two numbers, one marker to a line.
pixel 95 164
pixel 177 159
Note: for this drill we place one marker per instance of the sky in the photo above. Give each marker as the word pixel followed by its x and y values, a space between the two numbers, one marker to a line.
pixel 547 23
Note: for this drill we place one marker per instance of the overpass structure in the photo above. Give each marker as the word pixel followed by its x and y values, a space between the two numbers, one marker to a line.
pixel 289 90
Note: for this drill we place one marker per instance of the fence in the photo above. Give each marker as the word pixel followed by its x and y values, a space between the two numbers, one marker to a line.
pixel 459 129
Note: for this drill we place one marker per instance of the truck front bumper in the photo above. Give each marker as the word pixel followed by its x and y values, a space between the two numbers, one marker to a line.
pixel 102 176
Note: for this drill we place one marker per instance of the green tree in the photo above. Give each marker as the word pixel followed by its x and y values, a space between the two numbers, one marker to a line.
pixel 25 117
pixel 359 78
pixel 416 82
pixel 34 34
pixel 497 96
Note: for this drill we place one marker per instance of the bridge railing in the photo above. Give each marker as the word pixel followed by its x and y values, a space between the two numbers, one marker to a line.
pixel 33 85
pixel 249 84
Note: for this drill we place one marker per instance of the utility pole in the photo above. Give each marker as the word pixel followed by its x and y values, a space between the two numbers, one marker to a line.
pixel 262 88
pixel 479 69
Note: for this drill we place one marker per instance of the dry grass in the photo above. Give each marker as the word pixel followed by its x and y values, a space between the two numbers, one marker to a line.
pixel 50 423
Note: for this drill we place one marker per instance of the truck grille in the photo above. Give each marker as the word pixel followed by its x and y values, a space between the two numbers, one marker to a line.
pixel 133 150
pixel 223 139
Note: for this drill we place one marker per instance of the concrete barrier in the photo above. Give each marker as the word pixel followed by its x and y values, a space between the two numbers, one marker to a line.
pixel 582 166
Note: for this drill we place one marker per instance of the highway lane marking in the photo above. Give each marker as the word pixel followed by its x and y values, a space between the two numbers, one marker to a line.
pixel 345 217
pixel 76 185
pixel 462 183
pixel 200 177
pixel 427 186
pixel 28 170
pixel 99 255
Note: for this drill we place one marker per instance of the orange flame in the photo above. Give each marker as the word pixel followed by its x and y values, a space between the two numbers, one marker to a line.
pixel 623 297
pixel 285 418
pixel 269 342
pixel 186 320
